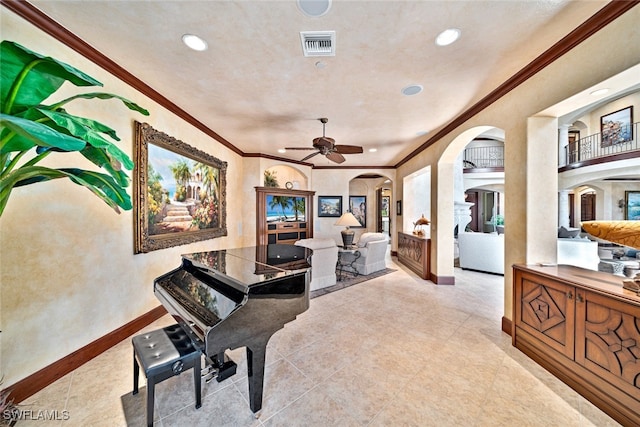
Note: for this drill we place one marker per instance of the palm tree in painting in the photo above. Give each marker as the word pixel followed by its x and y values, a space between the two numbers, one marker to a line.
pixel 182 175
pixel 209 179
pixel 282 201
pixel 298 206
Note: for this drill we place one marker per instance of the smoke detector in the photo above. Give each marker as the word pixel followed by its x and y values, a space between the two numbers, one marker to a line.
pixel 318 43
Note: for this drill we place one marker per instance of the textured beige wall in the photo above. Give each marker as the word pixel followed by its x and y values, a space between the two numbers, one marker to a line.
pixel 68 273
pixel 593 61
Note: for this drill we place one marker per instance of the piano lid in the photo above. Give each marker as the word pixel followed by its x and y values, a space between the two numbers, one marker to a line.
pixel 255 264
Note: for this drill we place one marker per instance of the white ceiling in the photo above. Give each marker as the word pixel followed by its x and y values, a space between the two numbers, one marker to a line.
pixel 254 87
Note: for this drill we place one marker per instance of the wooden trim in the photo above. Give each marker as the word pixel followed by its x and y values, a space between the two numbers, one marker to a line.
pixel 484 170
pixel 47 375
pixel 599 160
pixel 506 326
pixel 394 253
pixel 45 23
pixel 610 12
pixel 443 280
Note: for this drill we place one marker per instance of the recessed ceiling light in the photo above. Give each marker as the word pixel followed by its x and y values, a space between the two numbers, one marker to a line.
pixel 194 42
pixel 422 132
pixel 373 150
pixel 599 92
pixel 314 8
pixel 320 65
pixel 411 90
pixel 447 37
pixel 281 150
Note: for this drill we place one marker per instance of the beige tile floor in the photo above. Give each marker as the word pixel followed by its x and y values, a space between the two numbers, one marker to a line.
pixel 392 351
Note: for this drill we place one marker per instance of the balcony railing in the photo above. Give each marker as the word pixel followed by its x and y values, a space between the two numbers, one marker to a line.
pixel 619 143
pixel 490 157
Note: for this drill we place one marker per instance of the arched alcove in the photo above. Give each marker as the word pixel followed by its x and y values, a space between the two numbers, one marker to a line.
pixel 288 175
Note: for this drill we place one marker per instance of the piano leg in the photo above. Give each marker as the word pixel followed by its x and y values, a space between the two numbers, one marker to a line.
pixel 255 371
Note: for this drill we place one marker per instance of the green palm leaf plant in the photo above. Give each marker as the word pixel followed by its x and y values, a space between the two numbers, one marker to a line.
pixel 30 130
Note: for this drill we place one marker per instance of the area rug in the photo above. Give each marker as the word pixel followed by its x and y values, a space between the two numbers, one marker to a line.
pixel 347 281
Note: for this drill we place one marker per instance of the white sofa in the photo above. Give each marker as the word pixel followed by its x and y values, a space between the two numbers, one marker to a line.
pixel 579 252
pixel 323 261
pixel 482 252
pixel 373 249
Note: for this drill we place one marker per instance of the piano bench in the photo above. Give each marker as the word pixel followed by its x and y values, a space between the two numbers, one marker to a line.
pixel 164 353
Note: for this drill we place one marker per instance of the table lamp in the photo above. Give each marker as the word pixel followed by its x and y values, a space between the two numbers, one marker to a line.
pixel 348 220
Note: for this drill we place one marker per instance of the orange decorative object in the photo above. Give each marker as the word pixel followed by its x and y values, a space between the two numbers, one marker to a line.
pixel 625 233
pixel 417 226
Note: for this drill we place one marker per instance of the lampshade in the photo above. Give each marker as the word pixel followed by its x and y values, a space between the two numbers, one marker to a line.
pixel 347 219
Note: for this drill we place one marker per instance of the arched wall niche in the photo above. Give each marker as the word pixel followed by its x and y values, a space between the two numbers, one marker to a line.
pixel 367 185
pixel 285 173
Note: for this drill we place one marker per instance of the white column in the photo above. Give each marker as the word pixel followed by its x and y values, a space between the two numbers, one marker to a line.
pixel 563 143
pixel 563 208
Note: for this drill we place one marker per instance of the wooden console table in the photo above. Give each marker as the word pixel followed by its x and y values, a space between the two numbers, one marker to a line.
pixel 584 328
pixel 415 252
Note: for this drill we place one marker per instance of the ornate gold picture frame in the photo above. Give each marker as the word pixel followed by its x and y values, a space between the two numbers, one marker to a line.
pixel 179 192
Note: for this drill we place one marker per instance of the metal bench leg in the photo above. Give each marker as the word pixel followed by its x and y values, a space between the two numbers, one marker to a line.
pixel 136 374
pixel 196 381
pixel 151 385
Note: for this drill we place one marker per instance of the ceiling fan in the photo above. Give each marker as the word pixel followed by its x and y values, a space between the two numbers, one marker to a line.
pixel 327 147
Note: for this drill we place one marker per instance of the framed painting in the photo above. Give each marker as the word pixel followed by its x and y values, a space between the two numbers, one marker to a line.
pixel 179 192
pixel 358 207
pixel 399 208
pixel 384 211
pixel 330 206
pixel 617 127
pixel 632 205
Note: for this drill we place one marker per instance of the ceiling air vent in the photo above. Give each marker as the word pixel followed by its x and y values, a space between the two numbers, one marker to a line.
pixel 318 43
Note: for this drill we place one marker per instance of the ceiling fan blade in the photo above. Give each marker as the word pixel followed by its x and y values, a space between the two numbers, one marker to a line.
pixel 335 157
pixel 324 141
pixel 310 156
pixel 299 148
pixel 348 149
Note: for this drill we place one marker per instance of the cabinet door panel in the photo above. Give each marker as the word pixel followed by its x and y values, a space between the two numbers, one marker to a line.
pixel 608 340
pixel 547 311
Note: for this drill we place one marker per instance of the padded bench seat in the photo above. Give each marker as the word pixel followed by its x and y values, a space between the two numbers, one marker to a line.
pixel 162 354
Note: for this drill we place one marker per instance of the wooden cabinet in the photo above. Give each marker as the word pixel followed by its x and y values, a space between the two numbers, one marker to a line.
pixel 282 215
pixel 415 253
pixel 585 329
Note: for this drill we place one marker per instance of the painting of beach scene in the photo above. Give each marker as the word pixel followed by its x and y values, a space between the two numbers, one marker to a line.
pixel 183 193
pixel 285 208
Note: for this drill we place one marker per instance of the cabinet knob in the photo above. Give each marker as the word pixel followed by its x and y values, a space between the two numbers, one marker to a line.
pixel 569 295
pixel 579 298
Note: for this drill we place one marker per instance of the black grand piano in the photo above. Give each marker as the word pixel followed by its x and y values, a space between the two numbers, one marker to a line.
pixel 234 298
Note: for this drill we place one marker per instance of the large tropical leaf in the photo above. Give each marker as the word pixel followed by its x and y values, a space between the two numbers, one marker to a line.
pixel 100 184
pixel 100 158
pixel 32 134
pixel 34 76
pixel 79 129
pixel 101 95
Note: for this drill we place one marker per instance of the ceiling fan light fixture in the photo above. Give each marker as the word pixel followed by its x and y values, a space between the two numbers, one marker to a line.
pixel 412 90
pixel 194 42
pixel 447 37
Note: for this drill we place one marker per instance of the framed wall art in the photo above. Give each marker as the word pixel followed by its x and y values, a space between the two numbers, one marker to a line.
pixel 179 192
pixel 384 211
pixel 632 205
pixel 399 208
pixel 329 206
pixel 358 207
pixel 617 127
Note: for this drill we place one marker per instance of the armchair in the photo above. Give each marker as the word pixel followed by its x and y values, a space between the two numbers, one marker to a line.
pixel 373 249
pixel 323 261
